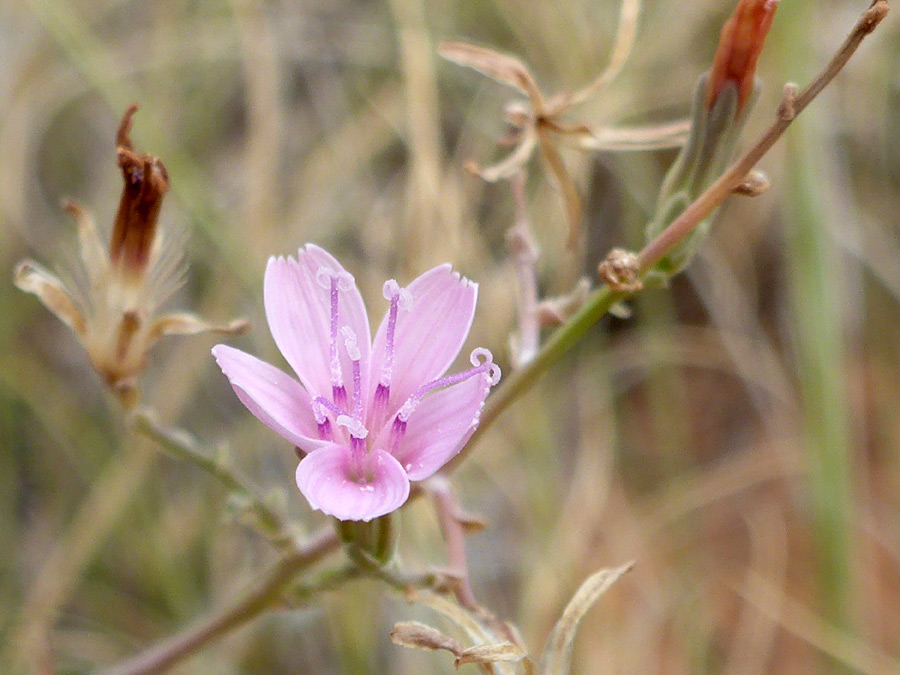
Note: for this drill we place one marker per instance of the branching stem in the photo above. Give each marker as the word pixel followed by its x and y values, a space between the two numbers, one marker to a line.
pixel 598 304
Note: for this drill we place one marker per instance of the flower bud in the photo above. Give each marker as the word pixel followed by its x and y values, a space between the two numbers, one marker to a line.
pixel 740 44
pixel 722 99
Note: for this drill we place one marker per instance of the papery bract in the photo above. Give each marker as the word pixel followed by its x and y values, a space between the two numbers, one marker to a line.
pixel 370 414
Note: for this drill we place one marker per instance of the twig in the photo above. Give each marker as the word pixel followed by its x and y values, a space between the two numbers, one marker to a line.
pixel 181 446
pixel 447 508
pixel 268 593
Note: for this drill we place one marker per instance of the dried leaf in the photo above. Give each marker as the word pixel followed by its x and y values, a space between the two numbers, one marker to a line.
pixel 510 166
pixel 33 278
pixel 500 67
pixel 566 185
pixel 557 655
pixel 502 652
pixel 416 635
pixel 456 614
pixel 625 34
pixel 651 137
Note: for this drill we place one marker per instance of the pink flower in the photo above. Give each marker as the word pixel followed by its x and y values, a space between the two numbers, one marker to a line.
pixel 372 415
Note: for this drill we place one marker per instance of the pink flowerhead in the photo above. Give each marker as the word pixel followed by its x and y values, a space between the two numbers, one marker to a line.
pixel 371 415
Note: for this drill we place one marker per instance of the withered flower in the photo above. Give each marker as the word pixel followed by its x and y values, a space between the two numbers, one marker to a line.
pixel 740 43
pixel 112 306
pixel 541 122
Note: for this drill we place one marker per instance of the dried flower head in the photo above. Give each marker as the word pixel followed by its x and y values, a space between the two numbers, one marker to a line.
pixel 541 122
pixel 370 414
pixel 112 307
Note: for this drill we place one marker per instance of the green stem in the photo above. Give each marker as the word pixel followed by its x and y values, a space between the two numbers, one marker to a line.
pixel 816 286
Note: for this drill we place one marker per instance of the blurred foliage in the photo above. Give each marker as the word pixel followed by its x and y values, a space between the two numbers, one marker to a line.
pixel 678 438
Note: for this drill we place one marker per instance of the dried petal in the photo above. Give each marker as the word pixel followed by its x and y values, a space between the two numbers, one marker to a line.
pixel 32 278
pixel 513 163
pixel 146 183
pixel 650 137
pixel 740 44
pixel 501 67
pixel 186 323
pixel 625 34
pixel 90 246
pixel 501 652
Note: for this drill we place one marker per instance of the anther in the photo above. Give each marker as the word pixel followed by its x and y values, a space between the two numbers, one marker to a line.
pixel 350 343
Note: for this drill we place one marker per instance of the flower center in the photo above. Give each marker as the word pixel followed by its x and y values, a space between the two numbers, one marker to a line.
pixel 338 406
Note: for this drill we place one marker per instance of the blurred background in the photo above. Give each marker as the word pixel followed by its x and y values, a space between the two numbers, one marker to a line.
pixel 738 437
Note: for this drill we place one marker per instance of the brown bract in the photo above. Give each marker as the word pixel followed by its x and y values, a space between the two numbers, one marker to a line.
pixel 113 309
pixel 146 182
pixel 541 122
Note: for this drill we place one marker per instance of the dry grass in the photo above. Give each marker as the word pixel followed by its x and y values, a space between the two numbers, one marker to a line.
pixel 679 438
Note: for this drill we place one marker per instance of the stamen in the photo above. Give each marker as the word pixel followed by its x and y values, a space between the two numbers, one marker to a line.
pixel 334 282
pixel 398 430
pixel 325 431
pixel 400 298
pixel 486 366
pixel 320 404
pixel 358 447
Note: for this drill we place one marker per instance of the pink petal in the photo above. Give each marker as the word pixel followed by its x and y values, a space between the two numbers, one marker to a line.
pixel 439 427
pixel 429 335
pixel 275 398
pixel 325 478
pixel 299 313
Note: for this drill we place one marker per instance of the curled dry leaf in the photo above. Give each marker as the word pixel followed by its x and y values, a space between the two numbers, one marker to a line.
pixel 557 656
pixel 503 68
